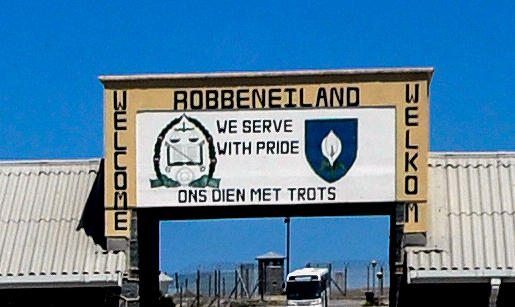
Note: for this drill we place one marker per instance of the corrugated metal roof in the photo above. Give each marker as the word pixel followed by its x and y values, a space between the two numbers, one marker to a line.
pixel 41 203
pixel 471 223
pixel 471 231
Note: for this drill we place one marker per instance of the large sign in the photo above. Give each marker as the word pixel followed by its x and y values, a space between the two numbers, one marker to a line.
pixel 324 137
pixel 268 157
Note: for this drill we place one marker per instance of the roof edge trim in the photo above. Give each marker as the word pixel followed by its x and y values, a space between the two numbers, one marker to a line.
pixel 278 73
pixel 49 162
pixel 62 281
pixel 450 276
pixel 472 154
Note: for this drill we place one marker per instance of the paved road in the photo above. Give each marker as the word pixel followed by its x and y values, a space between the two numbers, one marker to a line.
pixel 346 303
pixel 355 302
pixel 336 303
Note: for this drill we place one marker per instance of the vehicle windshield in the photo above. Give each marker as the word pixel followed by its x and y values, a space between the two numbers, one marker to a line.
pixel 303 290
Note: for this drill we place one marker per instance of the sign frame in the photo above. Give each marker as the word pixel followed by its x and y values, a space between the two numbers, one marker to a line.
pixel 405 89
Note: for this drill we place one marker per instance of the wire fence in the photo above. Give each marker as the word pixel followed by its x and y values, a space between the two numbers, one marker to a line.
pixel 354 278
pixel 209 283
pixel 219 280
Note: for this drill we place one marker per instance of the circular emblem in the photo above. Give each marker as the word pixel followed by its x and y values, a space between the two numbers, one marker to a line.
pixel 184 155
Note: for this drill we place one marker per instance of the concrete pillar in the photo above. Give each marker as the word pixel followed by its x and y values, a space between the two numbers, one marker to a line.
pixel 129 296
pixel 494 293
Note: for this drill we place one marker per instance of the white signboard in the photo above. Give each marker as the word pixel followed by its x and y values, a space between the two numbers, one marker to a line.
pixel 243 157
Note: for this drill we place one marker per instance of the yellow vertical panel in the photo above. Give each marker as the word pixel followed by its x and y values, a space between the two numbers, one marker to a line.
pixel 416 216
pixel 118 223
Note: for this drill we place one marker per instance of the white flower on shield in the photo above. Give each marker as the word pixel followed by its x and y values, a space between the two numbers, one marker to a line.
pixel 331 147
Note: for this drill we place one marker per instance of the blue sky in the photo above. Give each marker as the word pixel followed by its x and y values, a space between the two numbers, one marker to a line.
pixel 53 52
pixel 186 245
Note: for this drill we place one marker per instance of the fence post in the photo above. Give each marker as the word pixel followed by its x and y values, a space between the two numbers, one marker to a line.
pixel 368 277
pixel 180 296
pixel 241 284
pixel 219 286
pixel 198 288
pixel 176 282
pixel 247 280
pixel 262 281
pixel 215 280
pixel 330 278
pixel 382 280
pixel 223 287
pixel 209 287
pixel 216 287
pixel 345 281
pixel 236 284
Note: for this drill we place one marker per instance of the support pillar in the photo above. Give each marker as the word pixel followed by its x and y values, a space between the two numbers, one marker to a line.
pixel 494 292
pixel 397 265
pixel 148 228
pixel 130 284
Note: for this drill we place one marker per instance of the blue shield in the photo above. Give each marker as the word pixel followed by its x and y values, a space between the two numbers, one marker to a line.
pixel 331 146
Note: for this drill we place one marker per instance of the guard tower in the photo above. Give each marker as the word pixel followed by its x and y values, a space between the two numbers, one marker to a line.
pixel 271 273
